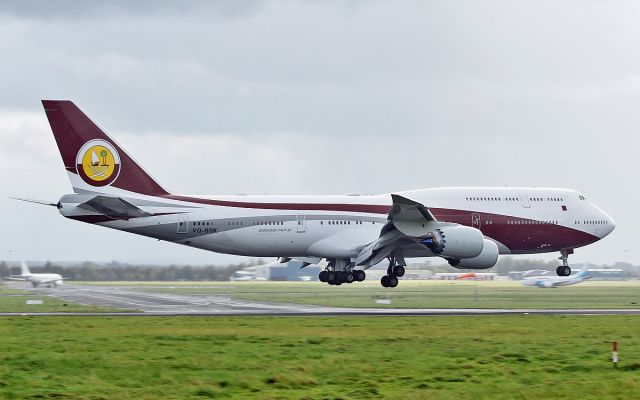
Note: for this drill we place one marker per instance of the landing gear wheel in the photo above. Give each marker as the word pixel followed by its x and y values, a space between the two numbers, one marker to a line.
pixel 563 270
pixel 359 275
pixel 347 277
pixel 398 271
pixel 323 276
pixel 332 278
pixel 389 281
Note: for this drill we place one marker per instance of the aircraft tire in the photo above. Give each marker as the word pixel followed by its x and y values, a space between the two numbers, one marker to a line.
pixel 398 270
pixel 347 277
pixel 323 276
pixel 384 281
pixel 359 275
pixel 392 281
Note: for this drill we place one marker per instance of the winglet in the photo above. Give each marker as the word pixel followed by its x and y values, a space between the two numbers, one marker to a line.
pixel 403 204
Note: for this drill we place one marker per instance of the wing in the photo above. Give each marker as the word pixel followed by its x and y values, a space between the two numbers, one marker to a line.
pixel 408 224
pixel 113 207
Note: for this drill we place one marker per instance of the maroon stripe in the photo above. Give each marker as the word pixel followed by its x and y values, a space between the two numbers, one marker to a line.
pixel 96 219
pixel 91 219
pixel 364 208
pixel 519 238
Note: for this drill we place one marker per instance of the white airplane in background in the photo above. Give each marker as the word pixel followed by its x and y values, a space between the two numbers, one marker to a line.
pixel 547 281
pixel 467 226
pixel 36 279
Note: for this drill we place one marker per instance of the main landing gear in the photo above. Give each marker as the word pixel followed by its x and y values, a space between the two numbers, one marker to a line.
pixel 394 271
pixel 564 269
pixel 341 271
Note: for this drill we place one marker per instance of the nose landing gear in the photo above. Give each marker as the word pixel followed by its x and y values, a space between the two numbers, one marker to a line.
pixel 564 269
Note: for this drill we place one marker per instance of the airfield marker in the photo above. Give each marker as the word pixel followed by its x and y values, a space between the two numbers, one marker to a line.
pixel 614 356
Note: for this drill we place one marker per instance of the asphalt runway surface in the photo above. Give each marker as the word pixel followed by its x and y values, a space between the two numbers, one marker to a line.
pixel 142 303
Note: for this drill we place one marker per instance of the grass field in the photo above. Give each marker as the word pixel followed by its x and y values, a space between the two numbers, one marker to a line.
pixel 508 357
pixel 425 294
pixel 12 300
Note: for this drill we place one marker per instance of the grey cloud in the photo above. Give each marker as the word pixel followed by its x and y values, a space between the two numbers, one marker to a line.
pixel 336 97
pixel 315 68
pixel 82 10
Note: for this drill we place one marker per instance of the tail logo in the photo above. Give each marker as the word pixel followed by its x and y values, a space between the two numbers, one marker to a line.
pixel 98 163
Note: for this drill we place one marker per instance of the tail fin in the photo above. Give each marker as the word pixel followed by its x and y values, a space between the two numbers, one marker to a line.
pixel 24 269
pixel 583 274
pixel 94 161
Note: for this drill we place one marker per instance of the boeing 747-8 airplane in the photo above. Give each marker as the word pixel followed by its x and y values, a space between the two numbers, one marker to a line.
pixel 467 226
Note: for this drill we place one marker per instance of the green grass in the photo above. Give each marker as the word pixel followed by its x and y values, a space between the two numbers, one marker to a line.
pixel 427 294
pixel 488 357
pixel 14 300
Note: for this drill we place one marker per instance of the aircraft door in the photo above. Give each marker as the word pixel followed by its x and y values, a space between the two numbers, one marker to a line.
pixel 183 223
pixel 301 226
pixel 475 220
pixel 524 198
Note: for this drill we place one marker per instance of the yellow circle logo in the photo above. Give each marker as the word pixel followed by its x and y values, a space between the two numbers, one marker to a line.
pixel 98 163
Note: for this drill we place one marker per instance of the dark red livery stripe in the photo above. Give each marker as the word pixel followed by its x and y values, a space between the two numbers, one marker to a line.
pixel 364 208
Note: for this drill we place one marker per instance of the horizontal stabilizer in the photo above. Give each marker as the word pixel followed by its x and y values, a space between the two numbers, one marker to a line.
pixel 113 207
pixel 43 202
pixel 14 278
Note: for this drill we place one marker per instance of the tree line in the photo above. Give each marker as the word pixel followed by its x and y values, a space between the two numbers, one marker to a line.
pixel 115 271
pixel 89 271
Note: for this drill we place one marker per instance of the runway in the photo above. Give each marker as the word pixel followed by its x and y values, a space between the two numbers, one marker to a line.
pixel 144 303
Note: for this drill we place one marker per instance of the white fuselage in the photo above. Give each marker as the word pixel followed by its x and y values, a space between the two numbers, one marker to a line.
pixel 41 279
pixel 519 220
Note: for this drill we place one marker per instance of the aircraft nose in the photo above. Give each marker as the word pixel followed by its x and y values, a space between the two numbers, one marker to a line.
pixel 611 225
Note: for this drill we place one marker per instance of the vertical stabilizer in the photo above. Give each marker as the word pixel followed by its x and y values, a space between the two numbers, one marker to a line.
pixel 24 269
pixel 94 161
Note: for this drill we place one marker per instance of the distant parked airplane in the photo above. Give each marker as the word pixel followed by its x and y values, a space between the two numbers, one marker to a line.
pixel 467 226
pixel 36 279
pixel 550 281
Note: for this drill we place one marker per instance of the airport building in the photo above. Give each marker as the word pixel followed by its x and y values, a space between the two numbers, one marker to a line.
pixel 276 271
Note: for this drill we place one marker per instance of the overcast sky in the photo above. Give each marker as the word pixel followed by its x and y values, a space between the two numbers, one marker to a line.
pixel 317 97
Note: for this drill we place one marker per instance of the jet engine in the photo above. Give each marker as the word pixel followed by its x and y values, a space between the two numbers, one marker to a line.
pixel 456 241
pixel 486 259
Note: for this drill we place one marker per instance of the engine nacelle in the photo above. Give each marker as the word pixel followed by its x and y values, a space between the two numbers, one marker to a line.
pixel 487 258
pixel 456 241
